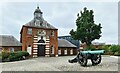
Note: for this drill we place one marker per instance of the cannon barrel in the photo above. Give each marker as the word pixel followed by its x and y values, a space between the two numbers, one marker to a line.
pixel 94 52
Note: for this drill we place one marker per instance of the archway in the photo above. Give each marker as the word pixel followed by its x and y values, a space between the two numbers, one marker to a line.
pixel 41 47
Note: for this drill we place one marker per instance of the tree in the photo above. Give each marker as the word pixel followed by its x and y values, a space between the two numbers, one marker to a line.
pixel 87 30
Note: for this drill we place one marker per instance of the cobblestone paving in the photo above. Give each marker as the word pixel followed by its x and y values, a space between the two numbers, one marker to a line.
pixel 59 64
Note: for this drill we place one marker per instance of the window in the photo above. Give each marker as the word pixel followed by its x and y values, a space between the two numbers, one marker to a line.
pixel 11 49
pixel 52 50
pixel 59 52
pixel 29 49
pixel 65 51
pixel 71 51
pixel 29 30
pixel 52 33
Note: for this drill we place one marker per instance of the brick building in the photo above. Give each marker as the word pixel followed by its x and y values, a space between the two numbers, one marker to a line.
pixel 66 48
pixel 9 43
pixel 38 37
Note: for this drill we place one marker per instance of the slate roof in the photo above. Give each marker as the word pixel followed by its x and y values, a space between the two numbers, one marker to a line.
pixel 9 40
pixel 39 21
pixel 44 23
pixel 65 43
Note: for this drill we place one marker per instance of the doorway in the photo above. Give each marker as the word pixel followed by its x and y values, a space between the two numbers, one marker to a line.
pixel 41 47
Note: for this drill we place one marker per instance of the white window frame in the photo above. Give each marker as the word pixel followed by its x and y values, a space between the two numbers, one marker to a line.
pixel 52 48
pixel 71 51
pixel 29 30
pixel 59 52
pixel 65 51
pixel 11 49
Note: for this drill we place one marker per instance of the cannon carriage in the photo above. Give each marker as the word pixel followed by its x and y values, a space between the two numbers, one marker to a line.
pixel 83 56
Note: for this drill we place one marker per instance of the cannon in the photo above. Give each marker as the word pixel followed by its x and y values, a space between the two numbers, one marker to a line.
pixel 83 56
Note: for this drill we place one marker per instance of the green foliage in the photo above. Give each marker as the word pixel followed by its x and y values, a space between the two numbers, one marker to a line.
pixel 106 48
pixel 18 55
pixel 5 55
pixel 91 47
pixel 111 50
pixel 115 48
pixel 14 56
pixel 25 53
pixel 87 30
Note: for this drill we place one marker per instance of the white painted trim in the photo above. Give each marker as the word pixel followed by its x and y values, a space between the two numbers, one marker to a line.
pixel 35 41
pixel 35 53
pixel 47 39
pixel 40 43
pixel 35 38
pixel 47 53
pixel 47 48
pixel 35 48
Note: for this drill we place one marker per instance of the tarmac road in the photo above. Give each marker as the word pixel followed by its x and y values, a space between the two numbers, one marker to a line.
pixel 59 64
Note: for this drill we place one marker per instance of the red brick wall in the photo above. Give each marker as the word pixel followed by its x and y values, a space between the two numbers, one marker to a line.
pixel 16 48
pixel 27 39
pixel 68 51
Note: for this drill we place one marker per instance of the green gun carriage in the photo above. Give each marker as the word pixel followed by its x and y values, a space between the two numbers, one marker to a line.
pixel 83 56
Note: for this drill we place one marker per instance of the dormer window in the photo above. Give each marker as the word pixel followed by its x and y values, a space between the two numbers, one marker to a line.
pixel 29 30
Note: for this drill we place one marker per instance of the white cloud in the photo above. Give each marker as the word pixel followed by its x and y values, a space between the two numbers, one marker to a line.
pixel 62 16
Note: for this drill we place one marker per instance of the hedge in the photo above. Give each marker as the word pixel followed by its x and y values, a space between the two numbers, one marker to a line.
pixel 111 50
pixel 14 56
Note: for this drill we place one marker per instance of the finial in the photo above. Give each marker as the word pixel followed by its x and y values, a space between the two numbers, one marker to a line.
pixel 37 6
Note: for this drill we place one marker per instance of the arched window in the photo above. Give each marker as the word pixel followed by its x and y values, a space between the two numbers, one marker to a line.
pixel 29 49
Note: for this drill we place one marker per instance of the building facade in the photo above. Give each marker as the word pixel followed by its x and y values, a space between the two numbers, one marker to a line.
pixel 65 48
pixel 38 37
pixel 9 43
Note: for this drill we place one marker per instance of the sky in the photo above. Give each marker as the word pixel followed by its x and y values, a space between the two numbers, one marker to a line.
pixel 61 15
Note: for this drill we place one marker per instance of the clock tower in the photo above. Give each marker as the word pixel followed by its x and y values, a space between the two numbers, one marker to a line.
pixel 38 19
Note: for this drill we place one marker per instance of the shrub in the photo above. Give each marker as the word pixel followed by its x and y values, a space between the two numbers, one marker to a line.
pixel 106 48
pixel 91 47
pixel 18 55
pixel 14 56
pixel 25 53
pixel 5 55
pixel 115 48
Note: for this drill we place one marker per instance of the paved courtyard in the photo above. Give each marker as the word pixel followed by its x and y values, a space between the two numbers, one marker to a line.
pixel 59 64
